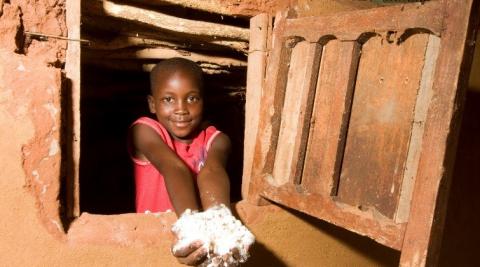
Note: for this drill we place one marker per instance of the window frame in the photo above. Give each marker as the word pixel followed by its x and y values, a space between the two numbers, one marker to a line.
pixel 73 74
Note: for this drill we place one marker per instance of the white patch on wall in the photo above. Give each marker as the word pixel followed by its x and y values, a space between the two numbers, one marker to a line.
pixel 36 175
pixel 51 109
pixel 57 224
pixel 20 66
pixel 44 189
pixel 54 148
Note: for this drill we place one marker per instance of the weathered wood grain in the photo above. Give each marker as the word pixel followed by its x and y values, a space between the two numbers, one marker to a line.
pixel 368 222
pixel 330 116
pixel 296 112
pixel 271 103
pixel 257 60
pixel 424 229
pixel 393 144
pixel 423 101
pixel 381 121
pixel 350 25
pixel 71 95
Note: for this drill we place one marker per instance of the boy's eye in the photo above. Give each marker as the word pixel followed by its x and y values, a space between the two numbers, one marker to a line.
pixel 168 99
pixel 193 99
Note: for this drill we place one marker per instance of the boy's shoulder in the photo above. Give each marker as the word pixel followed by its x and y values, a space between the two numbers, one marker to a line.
pixel 146 126
pixel 146 120
pixel 207 126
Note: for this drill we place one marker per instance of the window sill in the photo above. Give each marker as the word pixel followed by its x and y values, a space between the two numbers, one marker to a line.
pixel 123 230
pixel 145 230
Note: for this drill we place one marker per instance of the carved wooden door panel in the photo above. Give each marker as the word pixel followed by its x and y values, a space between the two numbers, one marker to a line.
pixel 357 117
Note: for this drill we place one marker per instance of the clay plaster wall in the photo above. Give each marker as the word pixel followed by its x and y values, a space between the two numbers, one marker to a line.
pixel 30 123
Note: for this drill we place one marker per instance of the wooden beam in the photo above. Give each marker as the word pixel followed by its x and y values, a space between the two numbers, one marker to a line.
pixel 164 53
pixel 137 34
pixel 222 7
pixel 126 41
pixel 139 65
pixel 166 22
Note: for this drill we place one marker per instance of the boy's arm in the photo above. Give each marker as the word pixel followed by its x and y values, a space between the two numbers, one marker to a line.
pixel 178 179
pixel 213 182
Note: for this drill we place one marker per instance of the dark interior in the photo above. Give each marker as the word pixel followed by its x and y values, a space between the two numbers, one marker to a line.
pixel 114 94
pixel 111 101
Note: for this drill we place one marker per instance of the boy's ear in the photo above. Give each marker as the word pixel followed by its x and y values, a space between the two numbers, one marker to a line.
pixel 151 104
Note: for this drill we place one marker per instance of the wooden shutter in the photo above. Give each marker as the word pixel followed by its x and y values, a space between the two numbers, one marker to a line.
pixel 357 117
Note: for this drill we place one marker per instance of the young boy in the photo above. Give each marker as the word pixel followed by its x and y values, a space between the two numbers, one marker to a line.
pixel 179 160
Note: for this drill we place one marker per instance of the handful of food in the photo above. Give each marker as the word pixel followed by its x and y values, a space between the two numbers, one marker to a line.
pixel 226 238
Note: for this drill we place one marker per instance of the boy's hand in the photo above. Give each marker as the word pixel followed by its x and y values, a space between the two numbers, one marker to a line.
pixel 192 255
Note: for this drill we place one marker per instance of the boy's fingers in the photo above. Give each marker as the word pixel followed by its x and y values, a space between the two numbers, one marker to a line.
pixel 236 253
pixel 185 251
pixel 195 258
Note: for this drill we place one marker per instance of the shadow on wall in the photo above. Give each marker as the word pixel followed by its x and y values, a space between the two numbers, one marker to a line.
pixel 265 257
pixel 462 232
pixel 382 255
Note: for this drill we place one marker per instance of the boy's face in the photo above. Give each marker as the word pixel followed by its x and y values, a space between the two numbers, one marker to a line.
pixel 178 104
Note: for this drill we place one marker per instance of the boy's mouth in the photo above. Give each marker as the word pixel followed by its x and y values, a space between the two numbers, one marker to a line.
pixel 181 123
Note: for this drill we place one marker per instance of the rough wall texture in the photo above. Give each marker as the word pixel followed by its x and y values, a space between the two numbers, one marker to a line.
pixel 31 81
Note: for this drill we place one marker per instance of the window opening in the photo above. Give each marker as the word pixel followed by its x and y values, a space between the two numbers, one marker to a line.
pixel 115 83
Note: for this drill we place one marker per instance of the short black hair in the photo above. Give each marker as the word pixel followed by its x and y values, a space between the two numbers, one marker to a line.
pixel 168 67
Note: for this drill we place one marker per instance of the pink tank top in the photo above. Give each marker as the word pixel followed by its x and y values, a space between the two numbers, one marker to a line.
pixel 151 193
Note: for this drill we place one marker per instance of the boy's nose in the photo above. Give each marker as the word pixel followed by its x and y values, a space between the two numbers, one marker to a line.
pixel 181 107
